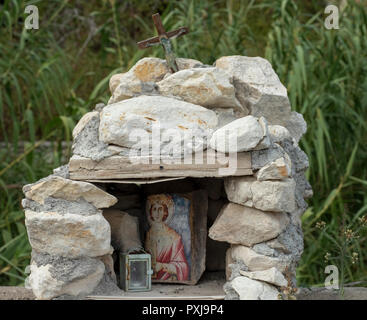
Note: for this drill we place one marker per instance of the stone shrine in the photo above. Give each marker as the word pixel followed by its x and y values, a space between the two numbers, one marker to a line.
pixel 224 132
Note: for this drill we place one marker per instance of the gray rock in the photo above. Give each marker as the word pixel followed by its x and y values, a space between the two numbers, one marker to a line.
pixel 68 235
pixel 271 276
pixel 231 294
pixel 142 77
pixel 207 87
pixel 277 196
pixel 279 133
pixel 59 188
pixel 86 141
pixel 62 171
pixel 241 225
pixel 80 206
pixel 258 87
pixel 53 276
pixel 279 169
pixel 227 115
pixel 296 125
pixel 258 262
pixel 260 158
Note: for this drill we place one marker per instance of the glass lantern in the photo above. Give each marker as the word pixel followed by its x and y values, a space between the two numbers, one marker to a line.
pixel 135 271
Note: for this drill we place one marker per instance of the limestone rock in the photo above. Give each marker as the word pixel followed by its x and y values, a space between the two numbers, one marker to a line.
pixel 227 115
pixel 257 262
pixel 61 206
pixel 186 63
pixel 279 133
pixel 278 196
pixel 124 230
pixel 279 169
pixel 296 125
pixel 249 289
pixel 62 171
pixel 238 190
pixel 274 195
pixel 266 141
pixel 260 158
pixel 141 78
pixel 258 87
pixel 55 276
pixel 109 266
pixel 86 141
pixel 58 187
pixel 83 121
pixel 208 87
pixel 68 235
pixel 238 224
pixel 272 276
pixel 243 134
pixel 130 87
pixel 115 81
pixel 158 125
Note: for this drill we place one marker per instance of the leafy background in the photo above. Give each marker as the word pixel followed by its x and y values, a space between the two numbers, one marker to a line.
pixel 50 77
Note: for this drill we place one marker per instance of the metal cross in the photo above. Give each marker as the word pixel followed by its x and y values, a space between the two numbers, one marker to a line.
pixel 164 39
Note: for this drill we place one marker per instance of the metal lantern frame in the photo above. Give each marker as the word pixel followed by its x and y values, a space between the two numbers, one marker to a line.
pixel 127 277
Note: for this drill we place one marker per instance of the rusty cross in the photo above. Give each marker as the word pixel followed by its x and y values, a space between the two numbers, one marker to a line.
pixel 164 39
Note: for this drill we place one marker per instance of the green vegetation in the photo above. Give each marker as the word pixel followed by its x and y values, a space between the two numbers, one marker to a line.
pixel 50 77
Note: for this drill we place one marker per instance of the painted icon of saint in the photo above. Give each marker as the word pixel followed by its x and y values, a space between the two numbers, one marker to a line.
pixel 163 243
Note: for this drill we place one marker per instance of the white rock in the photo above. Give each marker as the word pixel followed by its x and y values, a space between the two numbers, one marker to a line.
pixel 243 134
pixel 274 195
pixel 272 276
pixel 83 121
pixel 238 224
pixel 296 125
pixel 68 235
pixel 48 282
pixel 277 196
pixel 141 77
pixel 279 169
pixel 249 289
pixel 258 262
pixel 157 124
pixel 58 187
pixel 238 190
pixel 258 87
pixel 279 133
pixel 124 230
pixel 186 63
pixel 208 87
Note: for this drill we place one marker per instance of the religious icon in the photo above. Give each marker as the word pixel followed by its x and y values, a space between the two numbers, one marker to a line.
pixel 168 239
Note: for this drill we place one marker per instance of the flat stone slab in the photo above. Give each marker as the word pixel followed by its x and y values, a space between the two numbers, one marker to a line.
pixel 16 293
pixel 350 293
pixel 206 287
pixel 213 164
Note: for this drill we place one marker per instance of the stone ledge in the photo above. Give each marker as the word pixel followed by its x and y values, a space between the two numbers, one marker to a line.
pixel 355 293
